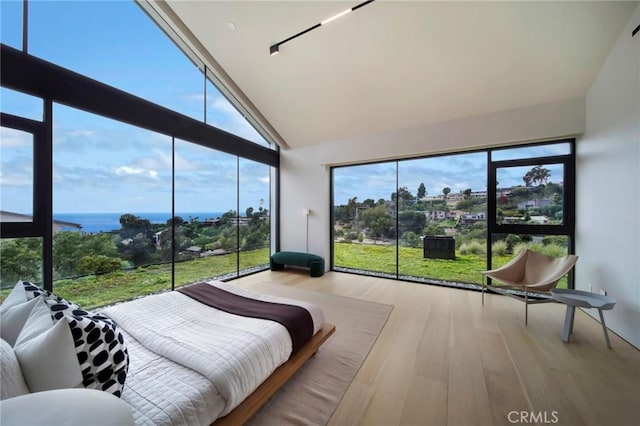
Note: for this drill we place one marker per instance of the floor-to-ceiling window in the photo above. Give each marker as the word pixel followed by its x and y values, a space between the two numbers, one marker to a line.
pixel 364 218
pixel 533 204
pixel 115 182
pixel 457 214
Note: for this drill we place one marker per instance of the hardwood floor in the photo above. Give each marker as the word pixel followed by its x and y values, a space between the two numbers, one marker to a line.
pixel 444 359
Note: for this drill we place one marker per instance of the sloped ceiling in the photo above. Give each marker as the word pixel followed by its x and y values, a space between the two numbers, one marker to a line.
pixel 399 64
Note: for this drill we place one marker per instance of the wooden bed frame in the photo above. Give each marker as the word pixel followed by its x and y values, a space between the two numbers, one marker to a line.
pixel 247 408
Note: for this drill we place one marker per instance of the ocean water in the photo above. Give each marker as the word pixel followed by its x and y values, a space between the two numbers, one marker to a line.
pixel 105 222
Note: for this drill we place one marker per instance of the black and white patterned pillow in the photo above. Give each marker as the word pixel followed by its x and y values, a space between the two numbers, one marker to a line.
pixel 32 291
pixel 98 359
pixel 102 353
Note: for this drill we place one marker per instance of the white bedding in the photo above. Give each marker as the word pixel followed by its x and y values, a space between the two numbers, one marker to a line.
pixel 163 393
pixel 234 353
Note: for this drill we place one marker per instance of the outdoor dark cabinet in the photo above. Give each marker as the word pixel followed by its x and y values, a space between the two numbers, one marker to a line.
pixel 439 247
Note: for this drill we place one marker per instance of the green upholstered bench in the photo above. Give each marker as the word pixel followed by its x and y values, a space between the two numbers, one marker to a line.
pixel 293 258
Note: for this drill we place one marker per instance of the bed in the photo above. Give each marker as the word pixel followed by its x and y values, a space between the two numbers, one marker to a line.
pixel 192 363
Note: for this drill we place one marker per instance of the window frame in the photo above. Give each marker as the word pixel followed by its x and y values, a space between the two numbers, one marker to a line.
pixel 23 73
pixel 567 228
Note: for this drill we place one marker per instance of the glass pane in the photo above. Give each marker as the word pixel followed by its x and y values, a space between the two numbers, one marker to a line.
pixel 134 55
pixel 505 246
pixel 11 23
pixel 539 201
pixel 20 104
pixel 112 192
pixel 223 115
pixel 364 214
pixel 20 259
pixel 206 210
pixel 531 152
pixel 16 176
pixel 255 227
pixel 443 202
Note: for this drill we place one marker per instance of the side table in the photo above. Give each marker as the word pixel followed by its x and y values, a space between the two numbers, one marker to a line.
pixel 583 299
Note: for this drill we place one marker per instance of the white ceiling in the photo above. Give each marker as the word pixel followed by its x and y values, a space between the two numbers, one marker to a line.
pixel 398 64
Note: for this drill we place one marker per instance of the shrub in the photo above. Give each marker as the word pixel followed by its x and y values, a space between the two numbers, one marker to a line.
pixel 554 250
pixel 98 264
pixel 512 240
pixel 559 240
pixel 519 247
pixel 499 248
pixel 351 236
pixel 472 247
pixel 410 239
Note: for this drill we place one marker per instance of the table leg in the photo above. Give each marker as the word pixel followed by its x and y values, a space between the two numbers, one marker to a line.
pixel 568 322
pixel 604 329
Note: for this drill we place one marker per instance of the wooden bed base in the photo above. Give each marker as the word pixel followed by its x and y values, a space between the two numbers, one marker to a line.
pixel 247 408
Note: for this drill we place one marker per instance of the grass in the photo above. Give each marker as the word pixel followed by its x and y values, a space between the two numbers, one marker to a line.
pixel 465 268
pixel 93 291
pixel 380 258
pixel 99 290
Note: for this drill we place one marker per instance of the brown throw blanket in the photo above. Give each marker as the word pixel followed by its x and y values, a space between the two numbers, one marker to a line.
pixel 296 319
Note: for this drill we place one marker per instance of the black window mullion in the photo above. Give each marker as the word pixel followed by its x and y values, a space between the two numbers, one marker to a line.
pixel 25 73
pixel 43 190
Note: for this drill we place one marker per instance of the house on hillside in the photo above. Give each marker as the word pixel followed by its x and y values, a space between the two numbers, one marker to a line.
pixel 58 225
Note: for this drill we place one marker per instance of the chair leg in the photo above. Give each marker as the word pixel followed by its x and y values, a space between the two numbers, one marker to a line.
pixel 483 284
pixel 526 308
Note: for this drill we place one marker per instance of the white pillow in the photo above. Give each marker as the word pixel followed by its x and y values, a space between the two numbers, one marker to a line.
pixel 12 319
pixel 16 308
pixel 22 292
pixel 12 382
pixel 46 352
pixel 69 407
pixel 62 346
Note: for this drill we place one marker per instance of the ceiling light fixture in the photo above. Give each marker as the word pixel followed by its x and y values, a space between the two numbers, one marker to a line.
pixel 274 49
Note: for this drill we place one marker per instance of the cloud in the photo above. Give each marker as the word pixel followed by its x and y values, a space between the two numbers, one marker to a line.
pixel 11 138
pixel 82 133
pixel 222 114
pixel 16 180
pixel 126 170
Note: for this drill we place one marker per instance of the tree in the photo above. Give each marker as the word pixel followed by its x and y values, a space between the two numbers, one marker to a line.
pixel 132 225
pixel 538 175
pixel 352 206
pixel 404 197
pixel 467 193
pixel 176 219
pixel 446 190
pixel 70 247
pixel 379 223
pixel 411 221
pixel 422 191
pixel 20 259
pixel 249 212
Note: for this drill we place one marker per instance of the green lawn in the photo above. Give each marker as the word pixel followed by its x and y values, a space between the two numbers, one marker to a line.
pixel 382 258
pixel 99 290
pixel 465 268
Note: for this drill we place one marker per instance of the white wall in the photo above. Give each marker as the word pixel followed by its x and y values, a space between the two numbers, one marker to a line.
pixel 305 171
pixel 608 186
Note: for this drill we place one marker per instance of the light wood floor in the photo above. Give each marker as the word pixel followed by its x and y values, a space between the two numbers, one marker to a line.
pixel 444 359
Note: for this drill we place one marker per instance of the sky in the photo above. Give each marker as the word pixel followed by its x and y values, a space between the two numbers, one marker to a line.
pixel 101 165
pixel 458 172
